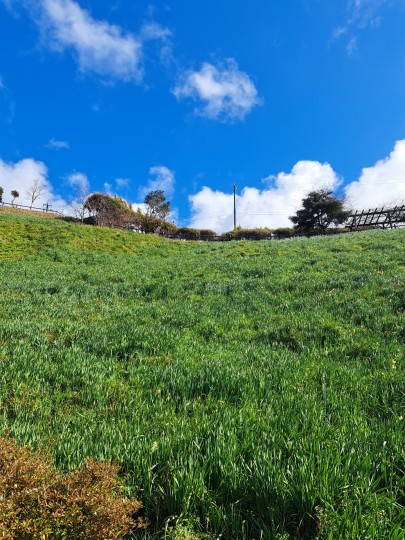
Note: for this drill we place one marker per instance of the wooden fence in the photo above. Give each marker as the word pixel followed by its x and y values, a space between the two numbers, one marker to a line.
pixel 46 208
pixel 383 218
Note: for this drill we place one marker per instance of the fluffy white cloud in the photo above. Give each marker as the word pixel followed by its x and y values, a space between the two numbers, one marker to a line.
pixel 79 181
pixel 270 207
pixel 226 92
pixel 141 206
pixel 163 179
pixel 382 184
pixel 100 47
pixel 58 145
pixel 20 176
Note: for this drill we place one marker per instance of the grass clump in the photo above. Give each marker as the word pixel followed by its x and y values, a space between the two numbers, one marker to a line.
pixel 38 502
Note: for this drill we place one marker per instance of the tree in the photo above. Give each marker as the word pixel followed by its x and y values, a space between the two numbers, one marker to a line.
pixel 78 205
pixel 156 205
pixel 15 194
pixel 320 210
pixel 34 191
pixel 1 194
pixel 109 211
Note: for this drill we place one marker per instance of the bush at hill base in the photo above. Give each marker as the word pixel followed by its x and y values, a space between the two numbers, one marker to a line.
pixel 187 233
pixel 37 502
pixel 247 234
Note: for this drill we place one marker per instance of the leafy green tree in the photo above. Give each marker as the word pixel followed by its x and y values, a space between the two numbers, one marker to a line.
pixel 320 210
pixel 156 204
pixel 15 194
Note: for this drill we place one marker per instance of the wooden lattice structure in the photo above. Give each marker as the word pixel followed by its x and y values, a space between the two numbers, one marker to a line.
pixel 379 217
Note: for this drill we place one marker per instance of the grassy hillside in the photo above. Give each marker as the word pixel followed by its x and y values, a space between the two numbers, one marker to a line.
pixel 253 390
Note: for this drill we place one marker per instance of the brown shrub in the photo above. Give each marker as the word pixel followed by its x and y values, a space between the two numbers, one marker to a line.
pixel 37 502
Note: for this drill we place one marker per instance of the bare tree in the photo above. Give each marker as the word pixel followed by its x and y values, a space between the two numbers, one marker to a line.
pixel 78 204
pixel 34 191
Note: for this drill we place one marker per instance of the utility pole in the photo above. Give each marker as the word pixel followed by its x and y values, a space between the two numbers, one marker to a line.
pixel 234 206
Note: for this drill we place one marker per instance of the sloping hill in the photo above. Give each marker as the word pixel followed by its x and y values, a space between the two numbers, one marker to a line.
pixel 253 390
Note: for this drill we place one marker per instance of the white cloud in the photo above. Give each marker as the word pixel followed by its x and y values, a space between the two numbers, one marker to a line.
pixel 58 145
pixel 226 92
pixel 361 14
pixel 142 207
pixel 20 175
pixel 79 181
pixel 364 13
pixel 164 180
pixel 382 184
pixel 6 98
pixel 100 47
pixel 270 207
pixel 108 188
pixel 121 182
pixel 352 46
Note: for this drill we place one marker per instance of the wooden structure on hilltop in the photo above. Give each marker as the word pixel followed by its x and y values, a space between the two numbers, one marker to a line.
pixel 379 218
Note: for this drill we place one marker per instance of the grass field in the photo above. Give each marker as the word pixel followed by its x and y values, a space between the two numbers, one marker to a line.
pixel 248 390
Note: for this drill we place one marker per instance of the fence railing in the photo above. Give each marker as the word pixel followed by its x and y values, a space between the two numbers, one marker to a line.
pixel 379 217
pixel 46 208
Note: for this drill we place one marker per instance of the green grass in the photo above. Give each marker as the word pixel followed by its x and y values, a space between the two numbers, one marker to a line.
pixel 249 390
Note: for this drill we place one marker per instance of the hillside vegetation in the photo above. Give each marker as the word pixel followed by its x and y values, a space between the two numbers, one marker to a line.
pixel 249 390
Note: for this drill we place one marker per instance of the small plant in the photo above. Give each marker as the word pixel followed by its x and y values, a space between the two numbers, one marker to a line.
pixel 39 502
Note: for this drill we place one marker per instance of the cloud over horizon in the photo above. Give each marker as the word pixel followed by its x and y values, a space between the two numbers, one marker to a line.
pixel 382 184
pixel 20 176
pixel 269 207
pixel 224 92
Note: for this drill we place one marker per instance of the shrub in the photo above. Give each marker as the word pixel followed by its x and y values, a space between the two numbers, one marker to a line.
pixel 247 234
pixel 284 232
pixel 109 211
pixel 37 502
pixel 337 230
pixel 186 233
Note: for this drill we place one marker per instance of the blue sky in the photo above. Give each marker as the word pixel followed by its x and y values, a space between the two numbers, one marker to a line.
pixel 279 97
